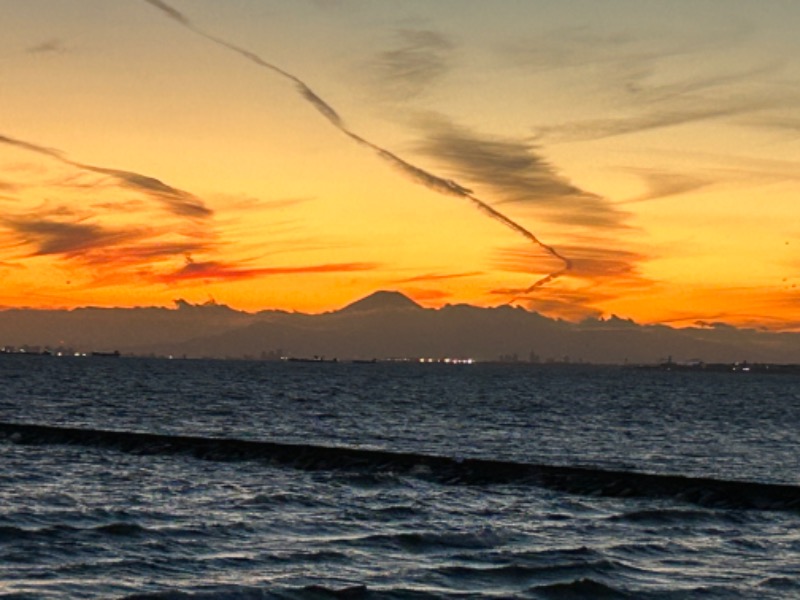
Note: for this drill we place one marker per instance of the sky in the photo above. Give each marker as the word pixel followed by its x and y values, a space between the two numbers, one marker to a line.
pixel 579 158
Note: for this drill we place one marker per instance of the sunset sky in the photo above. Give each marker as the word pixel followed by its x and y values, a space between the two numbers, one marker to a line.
pixel 578 158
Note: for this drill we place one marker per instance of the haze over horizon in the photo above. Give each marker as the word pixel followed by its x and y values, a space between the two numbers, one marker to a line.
pixel 580 160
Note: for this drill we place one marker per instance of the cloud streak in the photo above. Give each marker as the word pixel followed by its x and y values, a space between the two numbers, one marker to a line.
pixel 419 59
pixel 686 112
pixel 51 237
pixel 517 174
pixel 224 271
pixel 438 277
pixel 176 201
pixel 412 172
pixel 52 46
pixel 664 184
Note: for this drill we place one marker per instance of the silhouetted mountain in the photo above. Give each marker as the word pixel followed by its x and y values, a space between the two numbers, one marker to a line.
pixel 382 301
pixel 388 325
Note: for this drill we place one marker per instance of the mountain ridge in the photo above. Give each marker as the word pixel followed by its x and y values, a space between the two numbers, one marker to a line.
pixel 382 325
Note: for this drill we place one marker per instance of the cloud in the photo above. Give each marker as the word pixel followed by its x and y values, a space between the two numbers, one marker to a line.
pixel 664 184
pixel 70 239
pixel 517 173
pixel 603 273
pixel 438 277
pixel 646 105
pixel 413 172
pixel 418 60
pixel 570 305
pixel 591 262
pixel 176 201
pixel 635 72
pixel 144 253
pixel 588 261
pixel 51 46
pixel 426 295
pixel 170 12
pixel 214 270
pixel 683 111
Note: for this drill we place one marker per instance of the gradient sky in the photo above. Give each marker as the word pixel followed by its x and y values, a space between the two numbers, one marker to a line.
pixel 579 158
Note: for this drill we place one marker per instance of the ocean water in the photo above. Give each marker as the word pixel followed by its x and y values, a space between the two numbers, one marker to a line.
pixel 137 478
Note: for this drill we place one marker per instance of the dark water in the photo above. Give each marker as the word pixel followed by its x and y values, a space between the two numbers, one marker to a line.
pixel 110 517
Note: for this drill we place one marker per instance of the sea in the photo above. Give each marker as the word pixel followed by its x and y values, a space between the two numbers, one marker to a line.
pixel 136 478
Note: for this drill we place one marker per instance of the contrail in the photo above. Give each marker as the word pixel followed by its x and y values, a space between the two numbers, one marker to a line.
pixel 417 174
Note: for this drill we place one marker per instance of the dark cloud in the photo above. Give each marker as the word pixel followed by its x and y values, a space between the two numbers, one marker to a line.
pixel 418 59
pixel 51 152
pixel 213 270
pixel 516 172
pixel 69 239
pixel 177 201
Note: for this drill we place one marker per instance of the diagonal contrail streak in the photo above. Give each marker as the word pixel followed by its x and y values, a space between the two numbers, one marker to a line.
pixel 416 174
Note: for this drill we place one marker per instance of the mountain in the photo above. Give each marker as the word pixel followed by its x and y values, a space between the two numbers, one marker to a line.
pixel 387 325
pixel 381 301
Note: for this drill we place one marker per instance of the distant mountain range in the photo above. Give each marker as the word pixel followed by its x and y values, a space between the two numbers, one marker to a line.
pixel 384 325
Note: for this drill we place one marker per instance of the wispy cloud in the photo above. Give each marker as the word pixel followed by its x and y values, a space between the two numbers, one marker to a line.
pixel 175 200
pixel 411 171
pixel 516 172
pixel 635 72
pixel 599 274
pixel 145 252
pixel 417 59
pixel 70 239
pixel 665 184
pixel 439 277
pixel 426 295
pixel 682 112
pixel 214 270
pixel 51 46
pixel 590 262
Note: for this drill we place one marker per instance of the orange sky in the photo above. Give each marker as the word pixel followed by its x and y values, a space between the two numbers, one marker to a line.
pixel 153 151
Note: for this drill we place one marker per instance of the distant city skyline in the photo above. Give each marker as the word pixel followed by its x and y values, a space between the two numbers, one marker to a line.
pixel 577 159
pixel 385 325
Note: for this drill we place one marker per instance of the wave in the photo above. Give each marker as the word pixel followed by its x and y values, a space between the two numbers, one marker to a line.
pixel 308 592
pixel 12 533
pixel 420 542
pixel 580 588
pixel 708 492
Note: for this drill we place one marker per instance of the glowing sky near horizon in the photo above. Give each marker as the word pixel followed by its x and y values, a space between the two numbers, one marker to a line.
pixel 653 146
